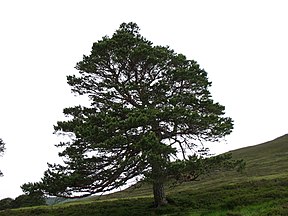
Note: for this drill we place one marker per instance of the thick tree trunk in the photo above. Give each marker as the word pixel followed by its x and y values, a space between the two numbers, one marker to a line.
pixel 158 173
pixel 159 193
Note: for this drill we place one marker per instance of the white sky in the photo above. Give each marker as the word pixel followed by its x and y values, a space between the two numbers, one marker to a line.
pixel 243 45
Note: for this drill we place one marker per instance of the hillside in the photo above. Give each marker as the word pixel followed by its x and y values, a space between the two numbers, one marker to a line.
pixel 269 158
pixel 262 189
pixel 266 160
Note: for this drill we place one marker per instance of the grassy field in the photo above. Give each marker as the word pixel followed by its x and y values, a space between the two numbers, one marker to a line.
pixel 262 189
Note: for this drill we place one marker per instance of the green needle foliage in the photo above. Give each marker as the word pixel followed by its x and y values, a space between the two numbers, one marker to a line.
pixel 148 106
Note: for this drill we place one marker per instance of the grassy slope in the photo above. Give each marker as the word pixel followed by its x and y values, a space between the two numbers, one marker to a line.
pixel 260 190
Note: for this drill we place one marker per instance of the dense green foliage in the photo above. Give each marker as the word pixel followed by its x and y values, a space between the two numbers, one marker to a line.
pixel 2 149
pixel 148 104
pixel 6 203
pixel 26 200
pixel 23 200
pixel 32 197
pixel 261 190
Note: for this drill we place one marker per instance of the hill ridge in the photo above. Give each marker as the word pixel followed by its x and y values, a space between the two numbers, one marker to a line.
pixel 283 138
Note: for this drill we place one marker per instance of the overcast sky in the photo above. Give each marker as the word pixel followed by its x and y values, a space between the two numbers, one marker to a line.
pixel 243 45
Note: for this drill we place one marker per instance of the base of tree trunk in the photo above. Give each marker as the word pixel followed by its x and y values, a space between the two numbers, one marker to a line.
pixel 159 194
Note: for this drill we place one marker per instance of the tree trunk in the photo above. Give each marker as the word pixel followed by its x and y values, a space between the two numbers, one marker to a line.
pixel 159 193
pixel 157 162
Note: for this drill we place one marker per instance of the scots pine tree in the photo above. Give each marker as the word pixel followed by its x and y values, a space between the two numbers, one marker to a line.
pixel 148 105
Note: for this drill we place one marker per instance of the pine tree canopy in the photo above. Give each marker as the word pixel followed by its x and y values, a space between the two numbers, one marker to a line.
pixel 148 106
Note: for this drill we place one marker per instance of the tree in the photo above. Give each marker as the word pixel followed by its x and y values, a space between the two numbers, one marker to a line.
pixel 148 106
pixel 2 149
pixel 6 203
pixel 25 200
pixel 32 196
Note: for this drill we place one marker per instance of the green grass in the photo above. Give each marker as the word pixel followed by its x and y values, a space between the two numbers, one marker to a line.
pixel 261 190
